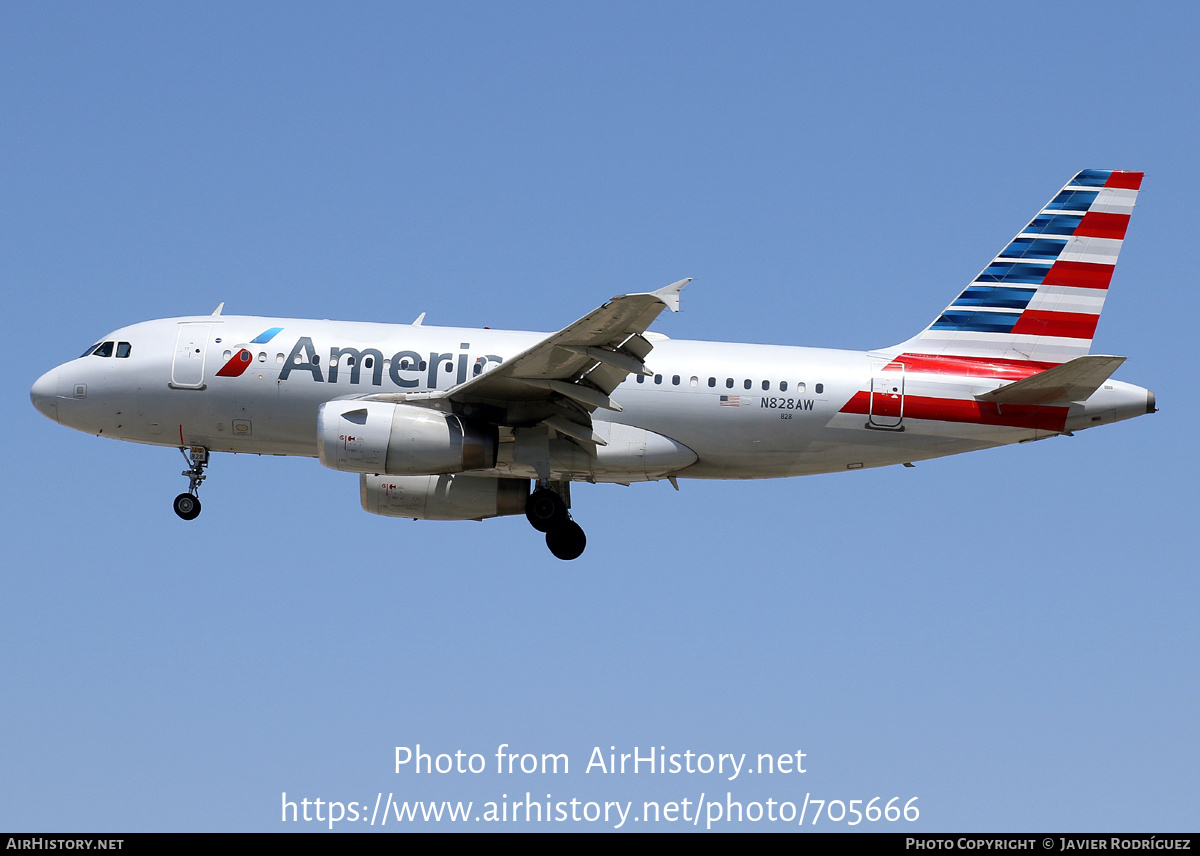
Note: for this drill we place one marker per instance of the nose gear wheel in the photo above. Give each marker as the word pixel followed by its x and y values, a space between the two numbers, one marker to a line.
pixel 187 505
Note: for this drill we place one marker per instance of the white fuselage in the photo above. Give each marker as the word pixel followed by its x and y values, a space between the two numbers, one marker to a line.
pixel 743 411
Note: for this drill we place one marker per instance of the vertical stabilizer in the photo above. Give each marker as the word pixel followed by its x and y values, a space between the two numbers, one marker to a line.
pixel 1041 296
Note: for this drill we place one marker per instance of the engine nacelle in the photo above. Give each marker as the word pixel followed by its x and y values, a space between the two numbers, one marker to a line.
pixel 401 439
pixel 444 497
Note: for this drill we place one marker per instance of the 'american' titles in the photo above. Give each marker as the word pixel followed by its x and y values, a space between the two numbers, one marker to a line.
pixel 401 366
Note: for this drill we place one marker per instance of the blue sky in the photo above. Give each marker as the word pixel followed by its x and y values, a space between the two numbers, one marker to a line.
pixel 1008 636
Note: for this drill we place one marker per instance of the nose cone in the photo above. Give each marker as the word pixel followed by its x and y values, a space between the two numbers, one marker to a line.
pixel 44 394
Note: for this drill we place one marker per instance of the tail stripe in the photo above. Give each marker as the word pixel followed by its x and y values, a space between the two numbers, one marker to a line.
pixel 1097 225
pixel 1055 224
pixel 1031 274
pixel 1061 299
pixel 1041 297
pixel 1092 178
pixel 1033 248
pixel 977 322
pixel 1080 275
pixel 1127 180
pixel 1073 200
pixel 1100 251
pixel 1115 202
pixel 1072 325
pixel 995 297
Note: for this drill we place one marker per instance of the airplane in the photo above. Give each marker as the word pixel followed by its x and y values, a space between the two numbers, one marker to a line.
pixel 445 423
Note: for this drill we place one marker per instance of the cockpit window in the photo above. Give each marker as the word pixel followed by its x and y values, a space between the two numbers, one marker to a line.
pixel 123 349
pixel 89 350
pixel 105 350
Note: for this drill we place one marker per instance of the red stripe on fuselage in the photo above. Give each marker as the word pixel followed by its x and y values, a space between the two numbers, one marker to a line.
pixel 1097 225
pixel 1069 325
pixel 971 366
pixel 970 411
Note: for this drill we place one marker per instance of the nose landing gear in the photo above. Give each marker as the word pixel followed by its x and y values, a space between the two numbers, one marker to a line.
pixel 187 505
pixel 547 511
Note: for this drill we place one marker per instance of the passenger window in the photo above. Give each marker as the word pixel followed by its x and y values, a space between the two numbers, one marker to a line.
pixel 658 378
pixel 368 362
pixel 746 383
pixel 800 387
pixel 641 378
pixel 105 350
pixel 316 359
pixel 712 381
pixel 783 386
pixel 478 368
pixel 225 356
pixel 349 361
pixel 820 388
pixel 449 367
pixel 279 359
pixel 729 383
pixel 123 349
pixel 695 381
pixel 424 365
pixel 766 385
pixel 675 380
pixel 262 356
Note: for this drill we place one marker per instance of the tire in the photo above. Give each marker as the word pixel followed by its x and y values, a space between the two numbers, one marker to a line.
pixel 545 510
pixel 567 542
pixel 187 506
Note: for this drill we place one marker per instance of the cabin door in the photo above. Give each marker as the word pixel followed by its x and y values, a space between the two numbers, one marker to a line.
pixel 887 396
pixel 187 369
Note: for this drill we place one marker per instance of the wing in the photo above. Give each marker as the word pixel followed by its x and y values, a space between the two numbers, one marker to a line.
pixel 563 379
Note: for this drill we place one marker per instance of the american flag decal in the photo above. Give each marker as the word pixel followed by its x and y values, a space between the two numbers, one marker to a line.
pixel 731 400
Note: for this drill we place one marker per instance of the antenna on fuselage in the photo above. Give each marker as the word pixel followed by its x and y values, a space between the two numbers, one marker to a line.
pixel 220 306
pixel 420 319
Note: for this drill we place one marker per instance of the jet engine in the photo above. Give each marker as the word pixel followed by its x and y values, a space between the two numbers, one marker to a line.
pixel 444 497
pixel 401 439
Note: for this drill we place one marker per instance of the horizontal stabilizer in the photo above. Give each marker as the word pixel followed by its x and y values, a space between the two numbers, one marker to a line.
pixel 1072 381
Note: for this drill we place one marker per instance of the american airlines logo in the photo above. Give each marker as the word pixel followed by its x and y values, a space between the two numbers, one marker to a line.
pixel 241 360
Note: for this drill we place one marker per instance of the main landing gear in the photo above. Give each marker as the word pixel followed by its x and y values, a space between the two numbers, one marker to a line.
pixel 547 511
pixel 187 505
